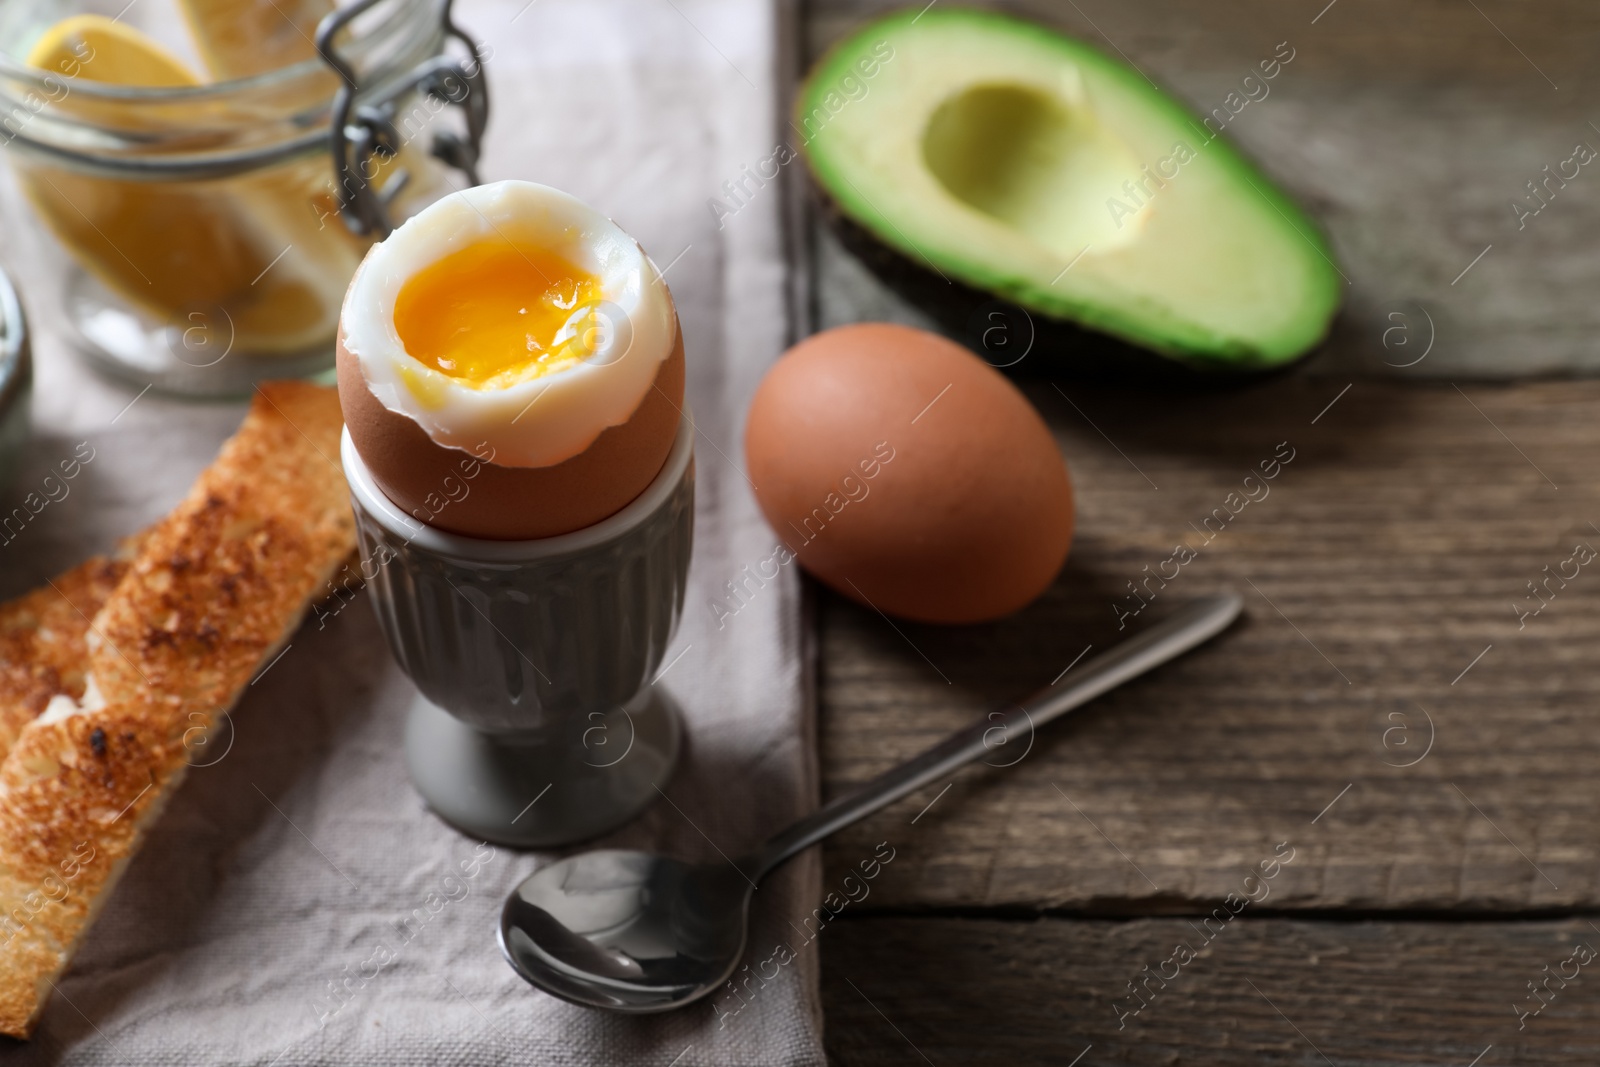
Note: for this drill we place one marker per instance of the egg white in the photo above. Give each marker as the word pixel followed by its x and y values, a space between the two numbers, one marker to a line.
pixel 536 423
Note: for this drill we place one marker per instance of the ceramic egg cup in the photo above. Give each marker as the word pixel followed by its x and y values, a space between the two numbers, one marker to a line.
pixel 535 723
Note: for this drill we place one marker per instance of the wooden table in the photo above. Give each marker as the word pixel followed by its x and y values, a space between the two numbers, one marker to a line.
pixel 1390 721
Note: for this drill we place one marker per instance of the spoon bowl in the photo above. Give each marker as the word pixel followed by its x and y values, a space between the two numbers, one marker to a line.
pixel 627 931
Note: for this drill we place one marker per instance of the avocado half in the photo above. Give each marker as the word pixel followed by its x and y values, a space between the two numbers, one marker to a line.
pixel 969 157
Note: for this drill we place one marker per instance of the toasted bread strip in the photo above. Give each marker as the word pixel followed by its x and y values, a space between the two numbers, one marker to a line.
pixel 215 591
pixel 42 650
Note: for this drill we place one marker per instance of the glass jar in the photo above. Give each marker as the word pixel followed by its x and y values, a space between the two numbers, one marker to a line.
pixel 16 378
pixel 208 232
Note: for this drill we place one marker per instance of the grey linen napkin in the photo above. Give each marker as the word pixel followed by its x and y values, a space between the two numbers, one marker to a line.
pixel 297 903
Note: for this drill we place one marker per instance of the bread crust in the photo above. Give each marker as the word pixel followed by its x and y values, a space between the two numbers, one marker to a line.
pixel 213 593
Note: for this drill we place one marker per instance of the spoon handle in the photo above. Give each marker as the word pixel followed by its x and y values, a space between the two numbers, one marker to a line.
pixel 1189 626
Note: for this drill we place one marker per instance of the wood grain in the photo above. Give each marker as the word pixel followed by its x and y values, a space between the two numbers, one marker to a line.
pixel 1263 992
pixel 1384 575
pixel 1387 558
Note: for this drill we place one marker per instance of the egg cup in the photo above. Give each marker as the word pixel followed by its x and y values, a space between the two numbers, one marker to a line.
pixel 535 723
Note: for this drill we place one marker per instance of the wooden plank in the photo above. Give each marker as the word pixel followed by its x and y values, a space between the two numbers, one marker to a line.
pixel 1265 992
pixel 1393 550
pixel 1406 129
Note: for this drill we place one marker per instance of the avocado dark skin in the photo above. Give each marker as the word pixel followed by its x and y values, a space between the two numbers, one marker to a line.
pixel 997 330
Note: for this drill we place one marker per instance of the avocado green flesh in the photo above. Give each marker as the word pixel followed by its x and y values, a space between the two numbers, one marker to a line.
pixel 1004 156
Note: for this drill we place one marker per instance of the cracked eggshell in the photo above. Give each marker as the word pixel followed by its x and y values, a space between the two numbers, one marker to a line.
pixel 424 478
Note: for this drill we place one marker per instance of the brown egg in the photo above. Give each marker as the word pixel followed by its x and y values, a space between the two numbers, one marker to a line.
pixel 512 503
pixel 909 475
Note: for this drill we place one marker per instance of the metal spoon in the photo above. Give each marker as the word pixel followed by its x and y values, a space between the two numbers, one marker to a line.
pixel 635 932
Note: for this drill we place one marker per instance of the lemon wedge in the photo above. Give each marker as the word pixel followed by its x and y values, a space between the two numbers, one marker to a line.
pixel 241 38
pixel 238 38
pixel 248 257
pixel 104 50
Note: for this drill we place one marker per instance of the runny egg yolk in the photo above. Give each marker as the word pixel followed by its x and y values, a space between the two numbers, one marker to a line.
pixel 494 314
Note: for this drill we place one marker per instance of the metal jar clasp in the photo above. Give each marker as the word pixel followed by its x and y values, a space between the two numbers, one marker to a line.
pixel 363 134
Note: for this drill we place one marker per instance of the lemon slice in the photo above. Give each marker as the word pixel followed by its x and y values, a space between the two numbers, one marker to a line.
pixel 241 38
pixel 247 257
pixel 100 49
pixel 238 38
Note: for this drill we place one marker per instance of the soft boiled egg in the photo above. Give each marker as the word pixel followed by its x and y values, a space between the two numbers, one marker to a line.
pixel 510 364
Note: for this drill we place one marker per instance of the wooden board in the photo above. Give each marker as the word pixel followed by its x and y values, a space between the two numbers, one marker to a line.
pixel 1389 555
pixel 1384 561
pixel 1382 708
pixel 1272 993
